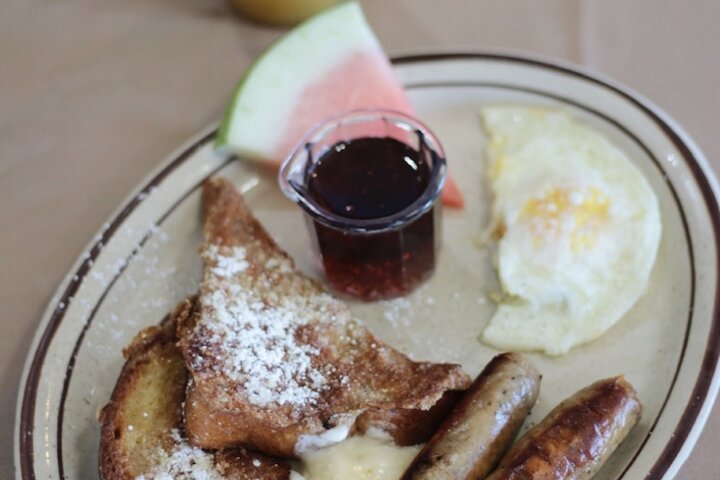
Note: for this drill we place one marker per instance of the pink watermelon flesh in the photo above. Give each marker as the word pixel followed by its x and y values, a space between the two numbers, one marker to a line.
pixel 451 194
pixel 364 80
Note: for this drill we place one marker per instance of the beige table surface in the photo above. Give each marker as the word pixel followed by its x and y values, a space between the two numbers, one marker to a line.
pixel 93 94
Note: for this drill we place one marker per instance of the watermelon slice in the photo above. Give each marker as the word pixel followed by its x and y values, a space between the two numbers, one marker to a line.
pixel 329 64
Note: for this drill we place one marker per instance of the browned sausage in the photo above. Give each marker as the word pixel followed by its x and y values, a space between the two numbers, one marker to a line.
pixel 471 440
pixel 576 438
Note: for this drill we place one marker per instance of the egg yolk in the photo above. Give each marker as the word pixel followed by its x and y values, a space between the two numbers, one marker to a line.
pixel 563 211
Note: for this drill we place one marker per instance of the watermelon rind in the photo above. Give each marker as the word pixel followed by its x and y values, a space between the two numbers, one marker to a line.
pixel 261 107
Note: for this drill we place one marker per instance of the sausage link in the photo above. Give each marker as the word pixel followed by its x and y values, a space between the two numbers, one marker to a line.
pixel 472 439
pixel 576 438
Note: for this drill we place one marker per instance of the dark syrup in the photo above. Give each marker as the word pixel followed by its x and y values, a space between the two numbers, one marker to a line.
pixel 371 178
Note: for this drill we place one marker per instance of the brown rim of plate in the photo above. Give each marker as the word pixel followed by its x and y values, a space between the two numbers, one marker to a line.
pixel 687 419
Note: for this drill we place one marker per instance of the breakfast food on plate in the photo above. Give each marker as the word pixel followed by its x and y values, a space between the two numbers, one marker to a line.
pixel 280 366
pixel 329 64
pixel 287 370
pixel 263 370
pixel 141 426
pixel 578 228
pixel 576 438
pixel 479 430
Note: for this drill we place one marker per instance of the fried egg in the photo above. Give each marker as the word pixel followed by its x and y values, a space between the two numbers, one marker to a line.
pixel 578 228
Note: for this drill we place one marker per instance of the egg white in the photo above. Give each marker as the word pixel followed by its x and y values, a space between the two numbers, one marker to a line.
pixel 578 227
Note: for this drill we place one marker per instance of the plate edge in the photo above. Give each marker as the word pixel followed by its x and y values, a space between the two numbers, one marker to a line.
pixel 46 328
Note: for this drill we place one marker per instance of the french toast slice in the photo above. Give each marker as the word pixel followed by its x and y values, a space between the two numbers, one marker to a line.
pixel 279 365
pixel 141 426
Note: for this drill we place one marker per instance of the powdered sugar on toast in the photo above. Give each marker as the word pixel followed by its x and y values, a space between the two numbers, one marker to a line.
pixel 254 343
pixel 226 263
pixel 183 462
pixel 275 359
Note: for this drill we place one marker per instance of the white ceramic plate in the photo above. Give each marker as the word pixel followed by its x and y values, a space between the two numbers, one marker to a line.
pixel 145 259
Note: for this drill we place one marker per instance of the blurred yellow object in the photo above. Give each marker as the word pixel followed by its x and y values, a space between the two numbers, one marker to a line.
pixel 280 12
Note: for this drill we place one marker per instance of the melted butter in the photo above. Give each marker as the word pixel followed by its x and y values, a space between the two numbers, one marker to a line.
pixel 358 458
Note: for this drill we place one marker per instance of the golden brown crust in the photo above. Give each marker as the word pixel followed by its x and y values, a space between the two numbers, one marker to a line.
pixel 358 371
pixel 216 429
pixel 576 438
pixel 242 464
pixel 481 427
pixel 146 407
pixel 136 421
pixel 409 426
